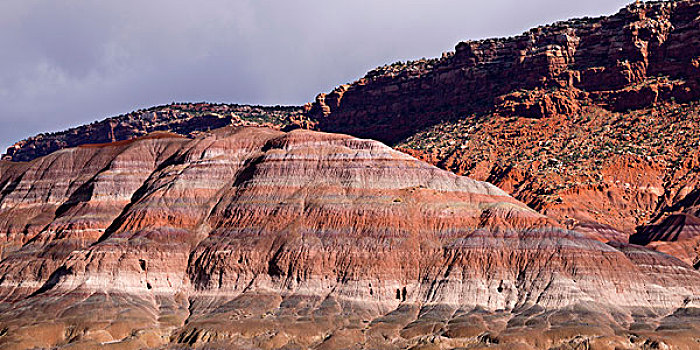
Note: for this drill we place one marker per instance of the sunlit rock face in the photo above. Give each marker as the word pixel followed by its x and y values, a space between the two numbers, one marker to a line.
pixel 256 238
pixel 647 53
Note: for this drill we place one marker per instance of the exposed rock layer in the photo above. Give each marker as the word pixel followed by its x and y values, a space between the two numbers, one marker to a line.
pixel 645 54
pixel 262 239
pixel 184 119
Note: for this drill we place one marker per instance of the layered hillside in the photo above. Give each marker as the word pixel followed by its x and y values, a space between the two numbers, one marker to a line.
pixel 256 238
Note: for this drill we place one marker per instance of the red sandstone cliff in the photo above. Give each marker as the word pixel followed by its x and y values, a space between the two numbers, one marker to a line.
pixel 645 54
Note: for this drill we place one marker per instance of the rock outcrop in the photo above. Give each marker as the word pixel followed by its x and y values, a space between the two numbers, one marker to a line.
pixel 256 238
pixel 645 54
pixel 677 234
pixel 185 119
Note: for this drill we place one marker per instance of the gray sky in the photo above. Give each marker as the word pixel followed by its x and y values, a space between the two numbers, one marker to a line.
pixel 66 63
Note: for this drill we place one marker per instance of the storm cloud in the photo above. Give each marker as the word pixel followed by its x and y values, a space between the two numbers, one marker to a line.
pixel 65 63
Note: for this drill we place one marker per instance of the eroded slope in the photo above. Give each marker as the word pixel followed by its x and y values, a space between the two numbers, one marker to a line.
pixel 257 238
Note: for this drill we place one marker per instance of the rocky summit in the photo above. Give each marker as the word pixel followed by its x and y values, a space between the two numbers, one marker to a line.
pixel 187 119
pixel 257 238
pixel 537 192
pixel 646 54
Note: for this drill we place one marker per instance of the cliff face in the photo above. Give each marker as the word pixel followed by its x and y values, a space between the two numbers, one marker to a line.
pixel 645 54
pixel 251 237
